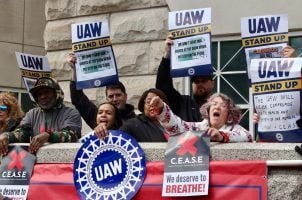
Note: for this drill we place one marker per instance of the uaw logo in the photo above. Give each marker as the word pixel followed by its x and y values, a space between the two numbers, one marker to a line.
pixel 191 71
pixel 279 137
pixel 97 83
pixel 113 168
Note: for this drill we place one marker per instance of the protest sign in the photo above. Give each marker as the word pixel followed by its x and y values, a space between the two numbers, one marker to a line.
pixel 191 49
pixel 95 64
pixel 187 165
pixel 276 89
pixel 15 173
pixel 264 36
pixel 112 168
pixel 32 67
pixel 243 179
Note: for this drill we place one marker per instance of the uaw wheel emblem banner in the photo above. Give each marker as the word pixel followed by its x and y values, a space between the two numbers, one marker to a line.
pixel 112 168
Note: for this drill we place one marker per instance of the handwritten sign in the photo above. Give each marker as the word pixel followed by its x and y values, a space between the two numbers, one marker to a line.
pixel 276 88
pixel 191 52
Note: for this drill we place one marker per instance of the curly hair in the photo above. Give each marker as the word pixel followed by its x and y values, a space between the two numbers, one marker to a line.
pixel 234 112
pixel 14 110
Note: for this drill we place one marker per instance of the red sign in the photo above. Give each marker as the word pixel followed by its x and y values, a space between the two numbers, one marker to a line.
pixel 245 180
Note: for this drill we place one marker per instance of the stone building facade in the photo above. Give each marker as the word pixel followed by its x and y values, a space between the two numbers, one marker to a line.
pixel 138 29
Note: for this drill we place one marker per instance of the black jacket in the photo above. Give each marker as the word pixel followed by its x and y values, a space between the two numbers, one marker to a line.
pixel 143 129
pixel 11 125
pixel 181 105
pixel 89 110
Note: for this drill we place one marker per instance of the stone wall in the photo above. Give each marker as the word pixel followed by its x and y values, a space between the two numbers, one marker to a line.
pixel 137 30
pixel 22 24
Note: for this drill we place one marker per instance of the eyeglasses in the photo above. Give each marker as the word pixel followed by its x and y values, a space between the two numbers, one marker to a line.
pixel 3 108
pixel 147 101
pixel 221 105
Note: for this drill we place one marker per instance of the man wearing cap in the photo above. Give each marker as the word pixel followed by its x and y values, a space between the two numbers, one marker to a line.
pixel 184 106
pixel 51 121
pixel 115 94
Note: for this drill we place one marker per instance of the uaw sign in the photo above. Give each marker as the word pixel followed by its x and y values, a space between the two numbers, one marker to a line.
pixel 32 68
pixel 96 65
pixel 191 49
pixel 276 89
pixel 113 168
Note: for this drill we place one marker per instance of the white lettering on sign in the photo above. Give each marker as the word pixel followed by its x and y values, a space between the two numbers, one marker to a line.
pixel 14 174
pixel 187 160
pixel 108 169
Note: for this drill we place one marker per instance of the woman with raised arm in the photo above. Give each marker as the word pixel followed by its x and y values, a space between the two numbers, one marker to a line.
pixel 221 118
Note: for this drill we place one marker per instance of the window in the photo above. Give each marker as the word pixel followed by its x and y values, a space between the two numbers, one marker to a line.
pixel 22 96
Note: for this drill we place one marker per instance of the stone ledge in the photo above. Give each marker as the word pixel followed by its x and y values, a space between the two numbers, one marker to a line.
pixel 283 182
pixel 65 152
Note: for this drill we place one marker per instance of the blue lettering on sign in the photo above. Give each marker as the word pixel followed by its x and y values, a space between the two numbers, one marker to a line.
pixel 32 62
pixel 189 18
pixel 89 30
pixel 264 25
pixel 108 169
pixel 274 69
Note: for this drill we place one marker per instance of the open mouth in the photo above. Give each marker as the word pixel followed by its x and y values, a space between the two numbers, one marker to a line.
pixel 216 114
pixel 103 121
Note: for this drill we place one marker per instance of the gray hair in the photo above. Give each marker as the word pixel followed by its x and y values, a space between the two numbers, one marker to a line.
pixel 234 112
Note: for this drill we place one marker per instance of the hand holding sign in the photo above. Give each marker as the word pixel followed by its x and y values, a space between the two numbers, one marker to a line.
pixel 288 52
pixel 168 44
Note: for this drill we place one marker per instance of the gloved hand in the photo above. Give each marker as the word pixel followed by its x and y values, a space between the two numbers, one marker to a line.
pixel 299 149
pixel 299 123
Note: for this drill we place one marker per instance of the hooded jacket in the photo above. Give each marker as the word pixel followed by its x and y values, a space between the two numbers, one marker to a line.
pixel 62 123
